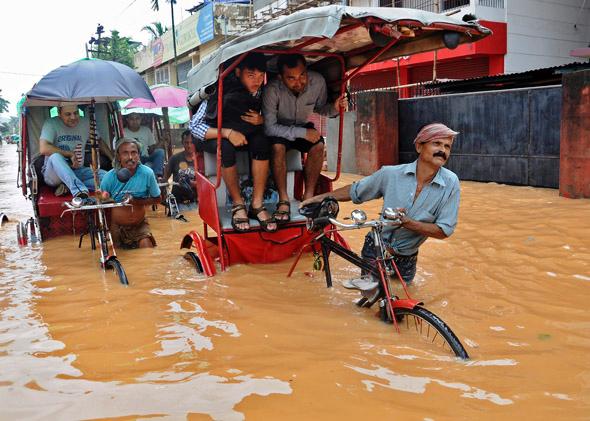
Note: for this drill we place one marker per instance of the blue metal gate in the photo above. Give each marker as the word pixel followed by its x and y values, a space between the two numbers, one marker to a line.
pixel 507 136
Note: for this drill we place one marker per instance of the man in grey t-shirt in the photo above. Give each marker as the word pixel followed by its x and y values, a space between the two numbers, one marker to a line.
pixel 287 103
pixel 63 141
pixel 427 191
pixel 152 154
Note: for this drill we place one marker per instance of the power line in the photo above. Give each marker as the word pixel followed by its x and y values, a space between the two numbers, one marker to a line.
pixel 18 74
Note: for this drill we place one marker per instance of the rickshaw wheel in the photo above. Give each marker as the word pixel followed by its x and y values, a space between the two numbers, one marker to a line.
pixel 192 256
pixel 114 264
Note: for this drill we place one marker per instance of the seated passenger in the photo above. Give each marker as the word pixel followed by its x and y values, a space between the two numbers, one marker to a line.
pixel 62 142
pixel 129 226
pixel 242 129
pixel 152 154
pixel 182 168
pixel 288 102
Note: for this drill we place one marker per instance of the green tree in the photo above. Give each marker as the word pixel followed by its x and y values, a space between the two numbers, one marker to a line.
pixel 3 104
pixel 155 29
pixel 156 4
pixel 117 48
pixel 13 124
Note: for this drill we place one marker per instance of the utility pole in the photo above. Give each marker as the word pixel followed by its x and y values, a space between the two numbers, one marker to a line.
pixel 174 40
pixel 97 41
pixel 437 6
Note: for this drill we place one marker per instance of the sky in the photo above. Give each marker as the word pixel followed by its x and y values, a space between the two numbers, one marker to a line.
pixel 36 36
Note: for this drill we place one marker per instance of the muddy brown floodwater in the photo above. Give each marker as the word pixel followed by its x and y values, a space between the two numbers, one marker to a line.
pixel 513 283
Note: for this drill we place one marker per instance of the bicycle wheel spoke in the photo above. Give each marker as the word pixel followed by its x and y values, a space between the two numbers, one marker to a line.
pixel 430 329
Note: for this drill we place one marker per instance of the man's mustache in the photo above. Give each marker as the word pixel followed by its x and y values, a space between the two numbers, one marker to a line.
pixel 441 154
pixel 130 161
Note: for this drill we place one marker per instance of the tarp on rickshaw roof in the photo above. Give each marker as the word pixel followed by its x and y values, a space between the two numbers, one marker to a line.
pixel 88 80
pixel 355 45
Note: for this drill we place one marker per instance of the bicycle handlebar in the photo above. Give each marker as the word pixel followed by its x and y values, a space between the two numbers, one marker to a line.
pixel 367 224
pixel 71 207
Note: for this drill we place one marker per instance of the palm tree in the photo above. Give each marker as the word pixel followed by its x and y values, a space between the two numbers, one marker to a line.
pixel 156 29
pixel 156 4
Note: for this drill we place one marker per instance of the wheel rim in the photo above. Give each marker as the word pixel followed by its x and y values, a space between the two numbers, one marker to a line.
pixel 428 329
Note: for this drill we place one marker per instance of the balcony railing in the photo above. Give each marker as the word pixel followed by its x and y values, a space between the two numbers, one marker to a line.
pixel 436 6
pixel 498 4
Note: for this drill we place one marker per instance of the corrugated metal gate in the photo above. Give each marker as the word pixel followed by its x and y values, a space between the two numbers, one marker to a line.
pixel 506 136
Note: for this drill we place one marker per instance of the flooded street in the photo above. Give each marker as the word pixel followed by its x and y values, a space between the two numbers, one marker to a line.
pixel 513 282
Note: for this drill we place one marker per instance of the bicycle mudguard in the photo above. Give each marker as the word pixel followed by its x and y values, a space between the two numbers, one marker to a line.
pixel 406 303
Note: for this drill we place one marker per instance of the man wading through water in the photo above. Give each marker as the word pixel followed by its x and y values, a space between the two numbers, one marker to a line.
pixel 424 189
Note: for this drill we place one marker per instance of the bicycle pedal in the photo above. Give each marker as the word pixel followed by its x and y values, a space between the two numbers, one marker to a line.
pixel 364 283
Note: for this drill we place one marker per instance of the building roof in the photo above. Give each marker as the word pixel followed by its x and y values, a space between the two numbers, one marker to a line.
pixel 537 77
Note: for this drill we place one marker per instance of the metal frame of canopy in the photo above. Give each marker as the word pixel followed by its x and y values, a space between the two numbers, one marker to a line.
pixel 339 41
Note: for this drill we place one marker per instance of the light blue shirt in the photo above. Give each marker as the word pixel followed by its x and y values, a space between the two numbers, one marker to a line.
pixel 141 185
pixel 438 202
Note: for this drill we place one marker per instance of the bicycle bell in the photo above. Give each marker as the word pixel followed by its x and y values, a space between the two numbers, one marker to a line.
pixel 77 202
pixel 358 216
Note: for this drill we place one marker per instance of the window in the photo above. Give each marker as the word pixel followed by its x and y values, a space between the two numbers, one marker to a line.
pixel 183 69
pixel 163 75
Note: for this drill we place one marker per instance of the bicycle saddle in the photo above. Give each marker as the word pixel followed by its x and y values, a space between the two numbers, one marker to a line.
pixel 319 213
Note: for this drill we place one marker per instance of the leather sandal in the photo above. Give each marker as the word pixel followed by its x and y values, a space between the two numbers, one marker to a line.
pixel 282 212
pixel 236 221
pixel 254 212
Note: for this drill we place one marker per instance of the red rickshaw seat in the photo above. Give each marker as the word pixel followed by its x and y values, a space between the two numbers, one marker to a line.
pixel 49 204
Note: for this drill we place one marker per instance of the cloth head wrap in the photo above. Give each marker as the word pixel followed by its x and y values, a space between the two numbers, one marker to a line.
pixel 434 131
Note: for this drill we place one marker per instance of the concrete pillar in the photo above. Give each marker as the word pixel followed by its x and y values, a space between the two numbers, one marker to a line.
pixel 348 161
pixel 376 131
pixel 574 157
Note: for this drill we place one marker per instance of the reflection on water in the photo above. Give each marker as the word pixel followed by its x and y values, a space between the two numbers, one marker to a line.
pixel 250 343
pixel 412 384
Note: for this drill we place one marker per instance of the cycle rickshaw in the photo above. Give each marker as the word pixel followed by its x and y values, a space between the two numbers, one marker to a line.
pixel 96 86
pixel 338 42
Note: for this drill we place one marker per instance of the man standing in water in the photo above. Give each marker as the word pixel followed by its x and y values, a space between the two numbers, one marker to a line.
pixel 428 192
pixel 130 176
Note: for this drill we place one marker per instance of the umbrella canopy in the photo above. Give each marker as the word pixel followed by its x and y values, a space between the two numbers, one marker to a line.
pixel 164 95
pixel 176 115
pixel 88 80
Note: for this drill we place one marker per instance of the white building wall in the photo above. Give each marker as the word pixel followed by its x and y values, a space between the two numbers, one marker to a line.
pixel 541 33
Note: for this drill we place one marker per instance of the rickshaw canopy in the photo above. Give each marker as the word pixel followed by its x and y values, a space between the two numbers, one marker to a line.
pixel 354 33
pixel 88 80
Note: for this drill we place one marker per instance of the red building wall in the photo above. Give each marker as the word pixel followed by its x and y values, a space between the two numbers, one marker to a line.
pixel 482 58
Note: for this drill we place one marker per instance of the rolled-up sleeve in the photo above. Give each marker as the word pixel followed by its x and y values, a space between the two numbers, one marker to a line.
pixel 368 188
pixel 447 218
pixel 197 125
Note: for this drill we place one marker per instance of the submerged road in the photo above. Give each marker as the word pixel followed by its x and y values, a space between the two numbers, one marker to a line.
pixel 513 283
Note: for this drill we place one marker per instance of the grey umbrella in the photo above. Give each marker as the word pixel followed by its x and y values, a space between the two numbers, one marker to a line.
pixel 88 80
